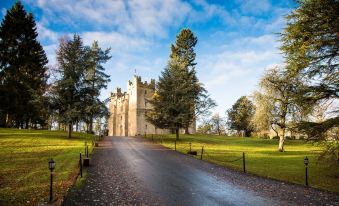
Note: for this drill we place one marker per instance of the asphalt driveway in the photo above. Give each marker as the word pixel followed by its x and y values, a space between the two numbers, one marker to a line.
pixel 130 170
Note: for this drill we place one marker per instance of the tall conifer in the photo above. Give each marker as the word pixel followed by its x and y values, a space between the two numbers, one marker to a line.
pixel 72 63
pixel 178 88
pixel 22 70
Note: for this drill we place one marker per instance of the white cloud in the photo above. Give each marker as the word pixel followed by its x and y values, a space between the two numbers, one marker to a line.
pixel 3 11
pixel 47 34
pixel 255 6
pixel 51 53
pixel 209 10
pixel 147 17
pixel 235 71
pixel 117 41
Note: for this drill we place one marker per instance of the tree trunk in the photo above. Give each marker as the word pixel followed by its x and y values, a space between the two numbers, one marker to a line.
pixel 281 141
pixel 247 133
pixel 26 123
pixel 177 133
pixel 187 131
pixel 70 130
pixel 91 125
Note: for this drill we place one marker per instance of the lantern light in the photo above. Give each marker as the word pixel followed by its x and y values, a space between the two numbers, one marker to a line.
pixel 51 165
pixel 306 161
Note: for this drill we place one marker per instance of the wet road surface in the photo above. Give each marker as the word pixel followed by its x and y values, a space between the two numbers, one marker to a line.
pixel 177 183
pixel 134 171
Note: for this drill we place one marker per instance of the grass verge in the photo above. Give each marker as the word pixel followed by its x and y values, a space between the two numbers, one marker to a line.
pixel 262 157
pixel 24 173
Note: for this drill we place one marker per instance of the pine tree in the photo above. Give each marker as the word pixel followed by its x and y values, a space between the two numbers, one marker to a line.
pixel 95 80
pixel 178 88
pixel 22 70
pixel 72 59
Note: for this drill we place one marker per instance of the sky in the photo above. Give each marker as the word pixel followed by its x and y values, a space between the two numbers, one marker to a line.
pixel 237 39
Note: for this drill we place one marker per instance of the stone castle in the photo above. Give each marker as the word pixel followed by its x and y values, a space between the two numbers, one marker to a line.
pixel 128 109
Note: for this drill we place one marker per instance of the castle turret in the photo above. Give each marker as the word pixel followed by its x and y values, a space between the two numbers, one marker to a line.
pixel 128 109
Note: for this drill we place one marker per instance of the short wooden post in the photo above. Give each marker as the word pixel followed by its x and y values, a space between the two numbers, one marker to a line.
pixel 86 159
pixel 190 147
pixel 202 152
pixel 243 162
pixel 80 162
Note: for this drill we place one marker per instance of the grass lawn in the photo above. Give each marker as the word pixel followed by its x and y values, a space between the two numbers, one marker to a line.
pixel 262 157
pixel 24 156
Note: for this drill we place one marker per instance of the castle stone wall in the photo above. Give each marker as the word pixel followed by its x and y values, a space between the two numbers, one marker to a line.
pixel 128 109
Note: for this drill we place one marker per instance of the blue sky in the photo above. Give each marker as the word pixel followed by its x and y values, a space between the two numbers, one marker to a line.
pixel 237 39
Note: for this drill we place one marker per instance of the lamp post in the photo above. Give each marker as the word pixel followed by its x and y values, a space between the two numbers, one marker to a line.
pixel 306 177
pixel 51 166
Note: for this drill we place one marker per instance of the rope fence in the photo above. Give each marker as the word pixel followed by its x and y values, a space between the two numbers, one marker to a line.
pixel 199 151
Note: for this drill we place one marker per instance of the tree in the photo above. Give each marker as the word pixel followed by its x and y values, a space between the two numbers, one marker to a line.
pixel 22 70
pixel 275 103
pixel 72 58
pixel 178 89
pixel 183 54
pixel 205 128
pixel 217 123
pixel 310 46
pixel 95 79
pixel 203 106
pixel 240 115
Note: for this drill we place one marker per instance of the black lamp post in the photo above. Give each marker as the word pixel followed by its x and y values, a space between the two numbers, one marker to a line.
pixel 306 177
pixel 51 166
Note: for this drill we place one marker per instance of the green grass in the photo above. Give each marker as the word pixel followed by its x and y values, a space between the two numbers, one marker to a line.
pixel 24 156
pixel 262 157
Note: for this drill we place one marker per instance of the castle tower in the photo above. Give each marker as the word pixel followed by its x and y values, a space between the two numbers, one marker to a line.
pixel 128 110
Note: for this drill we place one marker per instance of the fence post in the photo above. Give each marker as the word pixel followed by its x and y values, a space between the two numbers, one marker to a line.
pixel 243 161
pixel 202 152
pixel 190 147
pixel 85 149
pixel 175 145
pixel 80 161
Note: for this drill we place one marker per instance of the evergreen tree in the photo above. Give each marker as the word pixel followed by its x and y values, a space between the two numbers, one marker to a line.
pixel 95 80
pixel 240 115
pixel 22 70
pixel 178 89
pixel 182 53
pixel 310 43
pixel 72 58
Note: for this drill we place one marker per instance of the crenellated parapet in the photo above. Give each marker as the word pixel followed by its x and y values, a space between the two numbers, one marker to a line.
pixel 128 109
pixel 145 84
pixel 119 94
